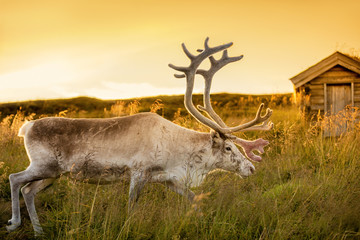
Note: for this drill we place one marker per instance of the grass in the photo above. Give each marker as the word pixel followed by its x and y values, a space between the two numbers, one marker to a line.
pixel 306 187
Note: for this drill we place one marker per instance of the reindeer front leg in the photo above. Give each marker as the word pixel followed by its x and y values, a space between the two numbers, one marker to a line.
pixel 137 183
pixel 179 188
pixel 174 185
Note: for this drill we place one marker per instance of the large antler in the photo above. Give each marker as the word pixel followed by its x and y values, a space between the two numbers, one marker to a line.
pixel 217 124
pixel 190 72
pixel 248 146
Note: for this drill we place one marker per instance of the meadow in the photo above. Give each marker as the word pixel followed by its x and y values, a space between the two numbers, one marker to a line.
pixel 306 187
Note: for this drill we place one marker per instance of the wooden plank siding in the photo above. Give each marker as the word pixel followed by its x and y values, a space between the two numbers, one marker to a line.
pixel 336 75
pixel 334 80
pixel 352 94
pixel 357 94
pixel 316 98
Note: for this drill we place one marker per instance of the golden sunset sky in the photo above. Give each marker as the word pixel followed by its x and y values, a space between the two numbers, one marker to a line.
pixel 121 49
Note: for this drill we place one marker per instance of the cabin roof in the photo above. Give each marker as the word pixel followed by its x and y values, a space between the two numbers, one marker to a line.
pixel 324 65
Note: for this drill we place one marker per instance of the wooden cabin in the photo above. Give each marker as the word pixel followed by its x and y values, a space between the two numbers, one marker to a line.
pixel 330 85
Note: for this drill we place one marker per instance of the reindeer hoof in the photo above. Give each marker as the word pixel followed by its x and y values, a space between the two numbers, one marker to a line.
pixel 39 233
pixel 12 226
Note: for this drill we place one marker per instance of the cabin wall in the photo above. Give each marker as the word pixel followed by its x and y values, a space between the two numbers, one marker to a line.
pixel 357 93
pixel 317 97
pixel 312 98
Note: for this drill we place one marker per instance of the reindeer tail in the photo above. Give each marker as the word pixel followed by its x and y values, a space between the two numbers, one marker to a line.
pixel 25 128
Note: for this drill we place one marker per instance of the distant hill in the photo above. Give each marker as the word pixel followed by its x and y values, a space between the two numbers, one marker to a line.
pixel 171 104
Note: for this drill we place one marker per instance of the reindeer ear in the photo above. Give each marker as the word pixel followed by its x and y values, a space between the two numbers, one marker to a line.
pixel 214 134
pixel 216 139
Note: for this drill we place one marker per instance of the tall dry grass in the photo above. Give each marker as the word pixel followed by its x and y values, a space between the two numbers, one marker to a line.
pixel 307 187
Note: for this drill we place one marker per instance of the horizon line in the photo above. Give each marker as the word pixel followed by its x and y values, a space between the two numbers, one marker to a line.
pixel 130 98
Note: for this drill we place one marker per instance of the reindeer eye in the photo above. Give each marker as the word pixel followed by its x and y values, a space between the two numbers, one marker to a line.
pixel 228 148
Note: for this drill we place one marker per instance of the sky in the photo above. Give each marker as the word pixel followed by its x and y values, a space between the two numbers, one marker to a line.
pixel 121 49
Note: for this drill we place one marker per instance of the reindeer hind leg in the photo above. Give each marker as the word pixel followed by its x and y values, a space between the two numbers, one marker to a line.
pixel 29 191
pixel 17 180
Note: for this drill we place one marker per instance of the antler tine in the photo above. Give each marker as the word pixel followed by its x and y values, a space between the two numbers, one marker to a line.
pixel 265 126
pixel 250 126
pixel 186 51
pixel 206 43
pixel 181 69
pixel 179 75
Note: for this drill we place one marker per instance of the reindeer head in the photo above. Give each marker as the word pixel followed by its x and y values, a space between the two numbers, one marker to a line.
pixel 228 156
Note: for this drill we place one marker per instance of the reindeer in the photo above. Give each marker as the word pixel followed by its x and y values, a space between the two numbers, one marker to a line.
pixel 145 146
